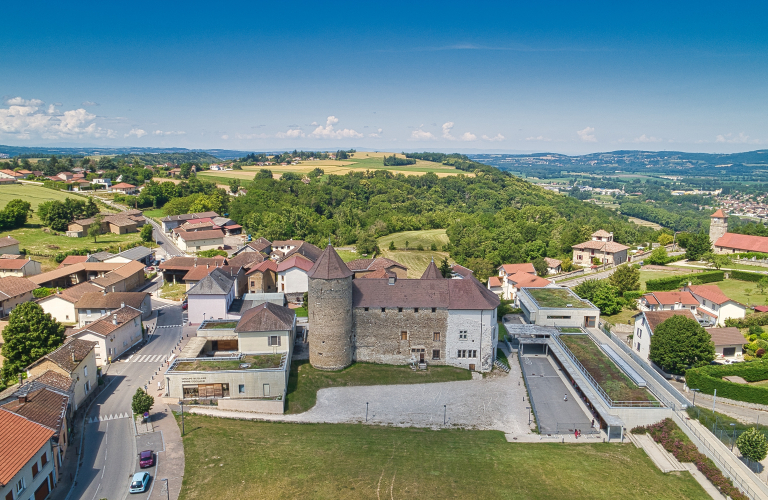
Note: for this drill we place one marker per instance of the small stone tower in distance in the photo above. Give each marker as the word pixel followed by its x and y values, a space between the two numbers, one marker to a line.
pixel 330 312
pixel 718 226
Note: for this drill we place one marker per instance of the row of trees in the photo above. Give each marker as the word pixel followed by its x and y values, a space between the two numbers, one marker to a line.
pixel 58 214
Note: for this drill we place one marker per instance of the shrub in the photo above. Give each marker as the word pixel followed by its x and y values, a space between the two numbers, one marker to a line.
pixel 709 378
pixel 673 282
pixel 745 276
pixel 746 322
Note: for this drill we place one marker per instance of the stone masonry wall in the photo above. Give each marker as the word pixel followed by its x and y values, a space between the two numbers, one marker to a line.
pixel 378 335
pixel 330 323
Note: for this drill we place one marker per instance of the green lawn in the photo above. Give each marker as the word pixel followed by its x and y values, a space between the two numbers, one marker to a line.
pixel 301 312
pixel 624 317
pixel 415 260
pixel 653 275
pixel 37 240
pixel 415 238
pixel 349 255
pixel 213 364
pixel 555 297
pixel 173 292
pixel 226 459
pixel 736 290
pixel 35 195
pixel 612 380
pixel 305 381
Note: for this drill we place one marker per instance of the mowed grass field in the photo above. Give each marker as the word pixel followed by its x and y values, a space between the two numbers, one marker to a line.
pixel 226 459
pixel 415 260
pixel 359 162
pixel 33 194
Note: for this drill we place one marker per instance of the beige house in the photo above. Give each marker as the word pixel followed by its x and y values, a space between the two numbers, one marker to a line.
pixel 9 246
pixel 729 343
pixel 263 278
pixel 26 458
pixel 602 248
pixel 196 241
pixel 93 306
pixel 19 267
pixel 113 334
pixel 124 188
pixel 14 291
pixel 61 305
pixel 76 360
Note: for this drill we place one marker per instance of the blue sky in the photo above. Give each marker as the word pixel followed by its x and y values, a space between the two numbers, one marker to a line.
pixel 568 77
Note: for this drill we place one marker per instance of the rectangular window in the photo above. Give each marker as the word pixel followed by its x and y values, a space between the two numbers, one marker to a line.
pixel 241 389
pixel 435 353
pixel 87 312
pixel 434 309
pixel 253 284
pixel 87 386
pixel 365 309
pixel 436 337
pixel 415 309
pixel 44 459
pixel 266 390
pixel 399 309
pixel 558 317
pixel 9 496
pixel 35 469
pixel 20 486
pixel 273 340
pixel 462 335
pixel 474 354
pixel 403 335
pixel 383 309
pixel 85 370
pixel 638 347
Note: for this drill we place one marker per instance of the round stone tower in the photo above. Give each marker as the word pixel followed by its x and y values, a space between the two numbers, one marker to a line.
pixel 718 226
pixel 330 312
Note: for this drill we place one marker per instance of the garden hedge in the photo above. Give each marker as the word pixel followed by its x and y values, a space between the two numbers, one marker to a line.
pixel 745 276
pixel 760 319
pixel 673 282
pixel 709 378
pixel 633 294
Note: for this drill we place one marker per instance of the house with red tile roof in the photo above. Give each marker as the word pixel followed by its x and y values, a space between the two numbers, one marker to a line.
pixel 513 277
pixel 26 458
pixel 714 303
pixel 292 274
pixel 124 188
pixel 729 243
pixel 668 301
pixel 262 278
pixel 19 267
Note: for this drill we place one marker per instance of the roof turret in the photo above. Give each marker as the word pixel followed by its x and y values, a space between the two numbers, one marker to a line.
pixel 432 272
pixel 329 266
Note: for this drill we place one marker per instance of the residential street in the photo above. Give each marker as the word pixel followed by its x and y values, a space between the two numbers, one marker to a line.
pixel 164 240
pixel 110 451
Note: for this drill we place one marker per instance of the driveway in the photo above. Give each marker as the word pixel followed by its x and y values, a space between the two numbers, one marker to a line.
pixel 496 402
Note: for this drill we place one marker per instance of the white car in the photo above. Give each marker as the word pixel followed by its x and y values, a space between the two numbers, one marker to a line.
pixel 139 482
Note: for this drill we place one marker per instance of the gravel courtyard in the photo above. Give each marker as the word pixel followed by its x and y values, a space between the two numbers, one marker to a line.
pixel 492 403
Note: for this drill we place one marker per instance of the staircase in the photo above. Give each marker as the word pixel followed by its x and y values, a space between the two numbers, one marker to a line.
pixel 501 366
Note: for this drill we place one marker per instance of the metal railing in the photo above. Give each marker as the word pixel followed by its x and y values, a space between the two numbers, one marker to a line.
pixel 569 428
pixel 528 389
pixel 664 383
pixel 733 474
pixel 608 400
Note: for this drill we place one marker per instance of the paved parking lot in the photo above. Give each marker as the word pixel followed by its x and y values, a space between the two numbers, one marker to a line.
pixel 547 391
pixel 496 402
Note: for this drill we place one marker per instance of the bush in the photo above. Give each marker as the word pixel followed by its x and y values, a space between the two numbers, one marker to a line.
pixel 673 282
pixel 709 378
pixel 633 295
pixel 746 322
pixel 745 276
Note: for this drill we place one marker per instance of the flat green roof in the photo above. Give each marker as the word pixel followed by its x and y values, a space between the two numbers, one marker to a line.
pixel 247 362
pixel 557 298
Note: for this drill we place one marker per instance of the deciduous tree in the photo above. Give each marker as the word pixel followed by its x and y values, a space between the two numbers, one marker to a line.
pixel 698 245
pixel 752 444
pixel 680 343
pixel 540 265
pixel 141 402
pixel 626 278
pixel 30 334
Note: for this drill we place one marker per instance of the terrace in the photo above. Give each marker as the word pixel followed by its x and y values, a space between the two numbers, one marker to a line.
pixel 241 362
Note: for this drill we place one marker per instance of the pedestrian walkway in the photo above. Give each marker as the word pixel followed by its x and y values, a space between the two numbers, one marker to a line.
pixel 147 358
pixel 104 418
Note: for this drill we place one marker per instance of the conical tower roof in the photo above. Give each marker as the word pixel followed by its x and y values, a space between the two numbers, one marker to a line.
pixel 719 214
pixel 329 266
pixel 432 272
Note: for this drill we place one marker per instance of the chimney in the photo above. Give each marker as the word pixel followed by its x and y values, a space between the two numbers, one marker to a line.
pixel 22 399
pixel 392 279
pixel 73 356
pixel 104 292
pixel 122 304
pixel 114 319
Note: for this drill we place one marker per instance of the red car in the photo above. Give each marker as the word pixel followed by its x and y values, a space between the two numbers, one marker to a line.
pixel 184 305
pixel 146 459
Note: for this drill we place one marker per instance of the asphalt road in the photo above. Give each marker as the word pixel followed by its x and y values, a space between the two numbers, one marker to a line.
pixel 163 240
pixel 110 454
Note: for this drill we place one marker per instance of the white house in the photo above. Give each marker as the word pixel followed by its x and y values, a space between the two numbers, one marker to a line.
pixel 196 241
pixel 292 274
pixel 729 343
pixel 668 301
pixel 513 277
pixel 61 305
pixel 9 246
pixel 19 267
pixel 14 291
pixel 602 248
pixel 26 458
pixel 646 322
pixel 94 305
pixel 714 303
pixel 211 297
pixel 114 334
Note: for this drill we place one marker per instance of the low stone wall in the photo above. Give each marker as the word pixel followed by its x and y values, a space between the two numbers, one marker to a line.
pixel 252 405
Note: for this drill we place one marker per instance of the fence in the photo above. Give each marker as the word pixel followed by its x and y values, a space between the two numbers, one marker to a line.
pixel 723 430
pixel 611 403
pixel 714 454
pixel 664 383
pixel 520 359
pixel 569 428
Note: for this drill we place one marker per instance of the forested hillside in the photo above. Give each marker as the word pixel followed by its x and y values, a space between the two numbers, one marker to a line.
pixel 493 216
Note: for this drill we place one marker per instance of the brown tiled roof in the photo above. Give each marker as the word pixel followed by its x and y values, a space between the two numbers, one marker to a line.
pixel 461 270
pixel 655 318
pixel 123 185
pixel 260 244
pixel 358 265
pixel 61 272
pixel 56 380
pixel 13 264
pixel 20 440
pixel 432 272
pixel 378 274
pixel 73 259
pixel 270 265
pixel 129 268
pixel 601 233
pixel 70 355
pixel 305 249
pixel 552 262
pixel 44 406
pixel 726 336
pixel 247 259
pixel 201 235
pixel 296 260
pixel 113 300
pixel 719 214
pixel 449 294
pixel 187 263
pixel 608 246
pixel 107 280
pixel 710 292
pixel 104 326
pixel 8 241
pixel 13 286
pixel 284 243
pixel 198 273
pixel 518 268
pixel 671 298
pixel 74 293
pixel 329 266
pixel 495 281
pixel 267 317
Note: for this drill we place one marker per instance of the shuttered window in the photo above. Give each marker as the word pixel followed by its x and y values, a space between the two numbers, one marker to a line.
pixel 274 340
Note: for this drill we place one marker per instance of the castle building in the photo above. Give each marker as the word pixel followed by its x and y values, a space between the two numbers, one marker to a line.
pixel 391 320
pixel 725 242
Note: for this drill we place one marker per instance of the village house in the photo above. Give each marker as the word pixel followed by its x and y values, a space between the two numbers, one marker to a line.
pixel 729 343
pixel 122 223
pixel 715 304
pixel 61 305
pixel 557 306
pixel 197 241
pixel 9 246
pixel 140 254
pixel 26 458
pixel 513 277
pixel 171 222
pixel 14 291
pixel 75 359
pixel 19 267
pixel 113 277
pixel 92 306
pixel 235 272
pixel 124 188
pixel 113 334
pixel 10 174
pixel 211 297
pixel 668 301
pixel 292 275
pixel 259 245
pixel 601 249
pixel 554 266
pixel 262 278
pixel 175 268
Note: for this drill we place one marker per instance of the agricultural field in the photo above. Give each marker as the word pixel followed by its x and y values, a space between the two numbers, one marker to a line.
pixel 415 260
pixel 348 461
pixel 359 162
pixel 33 194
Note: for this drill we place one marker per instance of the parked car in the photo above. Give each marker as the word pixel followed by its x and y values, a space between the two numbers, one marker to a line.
pixel 146 459
pixel 139 482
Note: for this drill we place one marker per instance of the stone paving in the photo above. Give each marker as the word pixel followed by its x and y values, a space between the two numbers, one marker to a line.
pixel 496 402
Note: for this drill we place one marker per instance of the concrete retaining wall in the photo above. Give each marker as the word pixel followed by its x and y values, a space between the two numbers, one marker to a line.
pixel 252 405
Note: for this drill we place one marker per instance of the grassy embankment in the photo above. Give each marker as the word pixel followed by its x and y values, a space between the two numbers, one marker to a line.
pixel 227 459
pixel 415 260
pixel 305 381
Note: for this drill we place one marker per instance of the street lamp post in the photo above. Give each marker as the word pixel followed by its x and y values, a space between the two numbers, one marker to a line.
pixel 694 395
pixel 444 413
pixel 181 402
pixel 733 435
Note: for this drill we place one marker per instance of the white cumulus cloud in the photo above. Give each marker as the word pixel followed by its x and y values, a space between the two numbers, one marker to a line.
pixel 644 138
pixel 290 134
pixel 447 128
pixel 329 132
pixel 422 134
pixel 19 101
pixel 377 133
pixel 137 132
pixel 540 138
pixel 587 135
pixel 467 136
pixel 25 118
pixel 495 138
pixel 169 132
pixel 742 138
